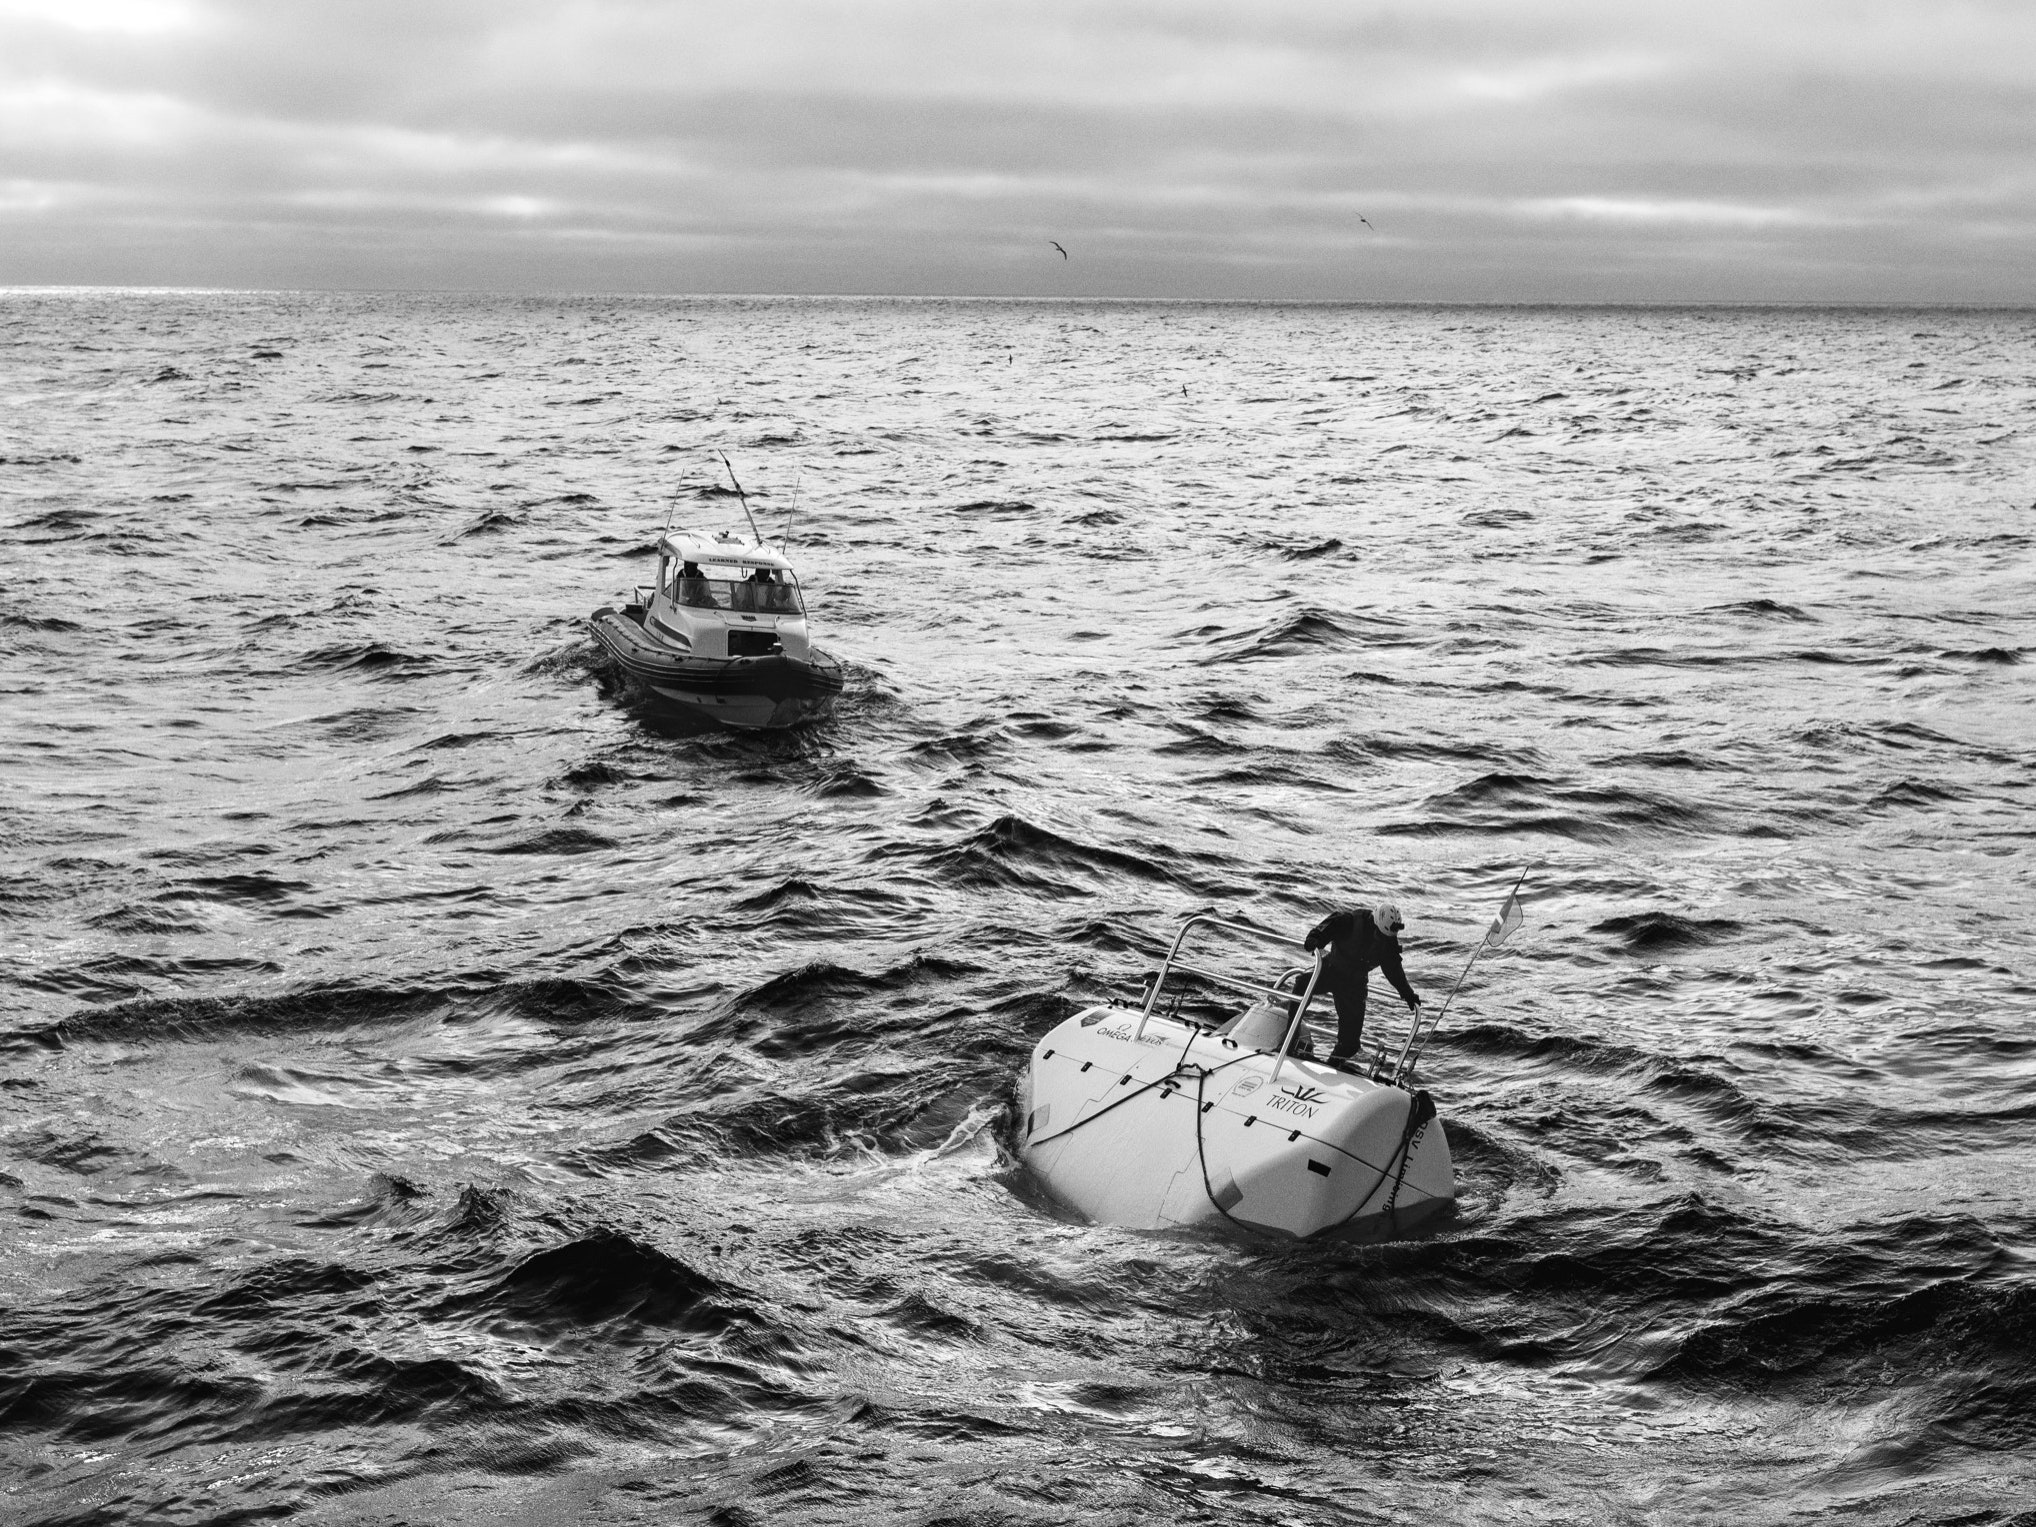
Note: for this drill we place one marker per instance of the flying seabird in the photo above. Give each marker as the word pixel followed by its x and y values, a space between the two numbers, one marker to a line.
pixel 1056 244
pixel 1366 221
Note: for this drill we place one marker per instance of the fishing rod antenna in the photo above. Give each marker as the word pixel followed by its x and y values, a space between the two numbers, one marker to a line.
pixel 670 509
pixel 796 480
pixel 755 534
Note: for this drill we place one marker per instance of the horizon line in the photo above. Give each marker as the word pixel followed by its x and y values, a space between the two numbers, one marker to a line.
pixel 32 288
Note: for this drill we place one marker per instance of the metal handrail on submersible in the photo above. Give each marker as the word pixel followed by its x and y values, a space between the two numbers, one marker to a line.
pixel 1173 962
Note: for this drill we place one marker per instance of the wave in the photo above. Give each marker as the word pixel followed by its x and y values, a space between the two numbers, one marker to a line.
pixel 1499 517
pixel 973 744
pixel 1515 1044
pixel 1565 1279
pixel 824 984
pixel 591 775
pixel 392 1200
pixel 1681 759
pixel 1763 609
pixel 1109 936
pixel 1193 742
pixel 557 840
pixel 1307 630
pixel 1663 657
pixel 1045 727
pixel 1222 707
pixel 1652 932
pixel 1502 802
pixel 552 1001
pixel 144 921
pixel 2003 657
pixel 1430 750
pixel 794 889
pixel 447 740
pixel 1488 1164
pixel 369 658
pixel 478 1213
pixel 489 522
pixel 847 782
pixel 79 1152
pixel 1914 792
pixel 1720 1100
pixel 1012 852
pixel 431 784
pixel 67 524
pixel 1609 1129
pixel 248 889
pixel 574 661
pixel 606 1277
pixel 323 485
pixel 172 1019
pixel 1311 552
pixel 918 1315
pixel 1895 736
pixel 312 1326
pixel 1912 1293
pixel 1265 772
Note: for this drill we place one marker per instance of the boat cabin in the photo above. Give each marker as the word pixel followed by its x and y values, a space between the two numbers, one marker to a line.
pixel 724 598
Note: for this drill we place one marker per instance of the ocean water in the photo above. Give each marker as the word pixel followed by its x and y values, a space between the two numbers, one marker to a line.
pixel 429 1093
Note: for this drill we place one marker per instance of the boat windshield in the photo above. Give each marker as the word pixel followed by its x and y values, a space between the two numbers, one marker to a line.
pixel 737 594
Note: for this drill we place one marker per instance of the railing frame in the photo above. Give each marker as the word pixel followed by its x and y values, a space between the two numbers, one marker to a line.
pixel 1173 962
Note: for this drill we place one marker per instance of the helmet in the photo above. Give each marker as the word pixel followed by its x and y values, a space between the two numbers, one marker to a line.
pixel 1387 917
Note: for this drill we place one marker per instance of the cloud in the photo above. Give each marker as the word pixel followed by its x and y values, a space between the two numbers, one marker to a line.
pixel 1695 214
pixel 1542 78
pixel 1582 150
pixel 134 17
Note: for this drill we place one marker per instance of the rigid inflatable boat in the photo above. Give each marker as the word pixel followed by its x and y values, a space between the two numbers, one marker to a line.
pixel 720 638
pixel 1139 1117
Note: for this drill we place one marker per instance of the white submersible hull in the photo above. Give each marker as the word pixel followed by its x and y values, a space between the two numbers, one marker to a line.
pixel 1183 1127
pixel 1137 1119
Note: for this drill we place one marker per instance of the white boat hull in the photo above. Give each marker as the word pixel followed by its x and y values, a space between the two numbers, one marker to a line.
pixel 1181 1127
pixel 753 693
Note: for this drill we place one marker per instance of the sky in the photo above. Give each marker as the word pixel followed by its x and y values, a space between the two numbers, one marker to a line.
pixel 1445 150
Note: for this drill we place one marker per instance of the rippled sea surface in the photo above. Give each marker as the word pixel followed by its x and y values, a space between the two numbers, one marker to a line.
pixel 430 1094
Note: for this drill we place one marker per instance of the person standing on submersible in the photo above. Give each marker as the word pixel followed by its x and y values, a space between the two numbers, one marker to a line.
pixel 1356 941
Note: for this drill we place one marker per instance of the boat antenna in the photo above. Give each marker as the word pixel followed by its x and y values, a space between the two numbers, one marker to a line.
pixel 755 534
pixel 787 543
pixel 1418 1032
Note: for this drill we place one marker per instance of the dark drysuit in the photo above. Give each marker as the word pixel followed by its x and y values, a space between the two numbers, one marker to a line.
pixel 1355 946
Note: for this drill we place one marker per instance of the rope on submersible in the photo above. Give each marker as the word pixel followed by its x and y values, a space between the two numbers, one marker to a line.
pixel 1202 1157
pixel 1420 1113
pixel 1420 1110
pixel 1180 1070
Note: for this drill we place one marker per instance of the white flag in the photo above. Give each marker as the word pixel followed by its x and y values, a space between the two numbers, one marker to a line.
pixel 1510 917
